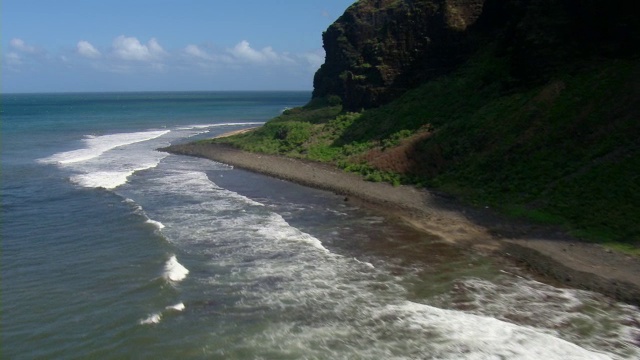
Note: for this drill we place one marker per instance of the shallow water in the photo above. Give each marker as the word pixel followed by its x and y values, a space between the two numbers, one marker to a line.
pixel 111 249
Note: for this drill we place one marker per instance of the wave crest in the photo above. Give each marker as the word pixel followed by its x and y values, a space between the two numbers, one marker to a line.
pixel 174 271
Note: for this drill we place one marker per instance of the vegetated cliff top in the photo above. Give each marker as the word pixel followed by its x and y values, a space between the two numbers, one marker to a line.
pixel 378 49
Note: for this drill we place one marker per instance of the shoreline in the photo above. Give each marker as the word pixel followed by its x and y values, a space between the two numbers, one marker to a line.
pixel 543 250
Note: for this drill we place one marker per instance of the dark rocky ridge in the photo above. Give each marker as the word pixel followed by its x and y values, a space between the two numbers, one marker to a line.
pixel 378 49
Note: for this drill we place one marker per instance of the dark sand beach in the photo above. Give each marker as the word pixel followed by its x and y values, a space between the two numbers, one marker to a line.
pixel 543 250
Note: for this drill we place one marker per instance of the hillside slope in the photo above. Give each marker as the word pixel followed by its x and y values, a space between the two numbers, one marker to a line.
pixel 531 107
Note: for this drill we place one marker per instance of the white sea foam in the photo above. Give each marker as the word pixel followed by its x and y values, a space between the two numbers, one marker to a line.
pixel 363 307
pixel 115 171
pixel 96 146
pixel 151 319
pixel 156 317
pixel 132 202
pixel 359 308
pixel 157 224
pixel 196 184
pixel 108 161
pixel 174 271
pixel 336 307
pixel 467 336
pixel 367 264
pixel 176 307
pixel 206 126
pixel 138 210
pixel 278 228
pixel 102 179
pixel 535 304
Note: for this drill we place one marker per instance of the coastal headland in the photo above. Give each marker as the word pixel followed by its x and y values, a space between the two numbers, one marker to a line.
pixel 519 116
pixel 544 250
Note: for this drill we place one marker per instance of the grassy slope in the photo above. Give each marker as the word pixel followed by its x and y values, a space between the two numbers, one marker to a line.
pixel 565 152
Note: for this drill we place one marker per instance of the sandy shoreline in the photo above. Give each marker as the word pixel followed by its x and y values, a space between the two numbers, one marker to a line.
pixel 545 251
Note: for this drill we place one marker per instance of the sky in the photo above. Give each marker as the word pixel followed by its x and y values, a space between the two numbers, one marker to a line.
pixel 162 45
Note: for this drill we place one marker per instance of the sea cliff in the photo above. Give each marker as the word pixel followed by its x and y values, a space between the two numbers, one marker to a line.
pixel 378 49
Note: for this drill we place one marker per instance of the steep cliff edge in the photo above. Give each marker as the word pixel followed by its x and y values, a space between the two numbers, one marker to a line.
pixel 378 49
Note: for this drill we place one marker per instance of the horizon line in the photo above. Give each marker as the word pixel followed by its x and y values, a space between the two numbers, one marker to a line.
pixel 142 91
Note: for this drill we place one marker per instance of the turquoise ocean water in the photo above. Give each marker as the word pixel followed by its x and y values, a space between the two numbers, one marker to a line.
pixel 113 250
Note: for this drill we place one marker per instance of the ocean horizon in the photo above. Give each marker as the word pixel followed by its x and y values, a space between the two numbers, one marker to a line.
pixel 112 249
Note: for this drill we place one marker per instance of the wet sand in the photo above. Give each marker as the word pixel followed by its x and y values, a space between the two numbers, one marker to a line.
pixel 544 250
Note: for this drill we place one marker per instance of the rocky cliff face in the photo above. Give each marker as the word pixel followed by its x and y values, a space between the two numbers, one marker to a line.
pixel 380 48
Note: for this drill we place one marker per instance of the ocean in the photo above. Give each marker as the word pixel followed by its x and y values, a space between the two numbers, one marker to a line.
pixel 113 250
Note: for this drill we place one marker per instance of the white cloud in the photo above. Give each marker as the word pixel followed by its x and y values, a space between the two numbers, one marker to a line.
pixel 13 59
pixel 23 56
pixel 314 59
pixel 127 55
pixel 20 45
pixel 154 48
pixel 244 52
pixel 195 51
pixel 130 48
pixel 87 50
pixel 159 67
pixel 243 58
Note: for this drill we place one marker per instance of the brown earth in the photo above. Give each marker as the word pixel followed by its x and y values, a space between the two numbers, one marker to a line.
pixel 544 250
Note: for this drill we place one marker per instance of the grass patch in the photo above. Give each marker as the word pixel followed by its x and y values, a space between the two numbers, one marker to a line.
pixel 287 133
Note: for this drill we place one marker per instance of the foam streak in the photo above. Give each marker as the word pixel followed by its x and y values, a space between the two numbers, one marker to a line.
pixel 98 145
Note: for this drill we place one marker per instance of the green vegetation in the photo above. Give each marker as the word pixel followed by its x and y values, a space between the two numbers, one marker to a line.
pixel 289 132
pixel 565 152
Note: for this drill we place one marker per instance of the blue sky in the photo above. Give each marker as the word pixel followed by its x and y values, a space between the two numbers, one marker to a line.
pixel 163 45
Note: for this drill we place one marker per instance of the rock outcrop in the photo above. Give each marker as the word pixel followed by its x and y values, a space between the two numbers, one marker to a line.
pixel 378 49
